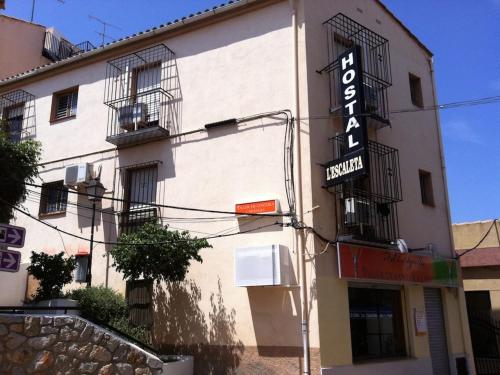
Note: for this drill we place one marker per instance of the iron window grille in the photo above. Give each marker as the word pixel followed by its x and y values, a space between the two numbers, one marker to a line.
pixel 139 296
pixel 139 92
pixel 17 111
pixel 367 209
pixel 82 262
pixel 56 48
pixel 54 198
pixel 64 104
pixel 344 33
pixel 139 195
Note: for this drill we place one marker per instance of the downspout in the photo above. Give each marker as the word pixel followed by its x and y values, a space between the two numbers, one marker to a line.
pixel 300 209
pixel 464 321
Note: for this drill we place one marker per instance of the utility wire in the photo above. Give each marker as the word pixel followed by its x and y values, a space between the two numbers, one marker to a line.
pixel 141 244
pixel 480 241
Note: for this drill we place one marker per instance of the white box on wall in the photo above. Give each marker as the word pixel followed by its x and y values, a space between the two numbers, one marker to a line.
pixel 262 266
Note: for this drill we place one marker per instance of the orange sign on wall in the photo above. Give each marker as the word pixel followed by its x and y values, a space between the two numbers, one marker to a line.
pixel 261 207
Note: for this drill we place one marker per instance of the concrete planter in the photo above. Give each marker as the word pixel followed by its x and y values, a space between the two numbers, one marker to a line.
pixel 178 365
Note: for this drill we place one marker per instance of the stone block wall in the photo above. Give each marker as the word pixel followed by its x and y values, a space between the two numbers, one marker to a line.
pixel 67 345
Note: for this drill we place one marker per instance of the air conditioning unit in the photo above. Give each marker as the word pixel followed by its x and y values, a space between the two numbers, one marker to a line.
pixel 78 174
pixel 131 117
pixel 262 266
pixel 371 98
pixel 357 211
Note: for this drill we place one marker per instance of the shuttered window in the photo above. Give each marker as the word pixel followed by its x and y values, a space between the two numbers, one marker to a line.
pixel 54 198
pixel 139 297
pixel 64 104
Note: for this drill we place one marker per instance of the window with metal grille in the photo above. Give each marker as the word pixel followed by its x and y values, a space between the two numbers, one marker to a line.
pixel 426 192
pixel 139 295
pixel 81 268
pixel 54 198
pixel 14 117
pixel 140 194
pixel 377 328
pixel 64 104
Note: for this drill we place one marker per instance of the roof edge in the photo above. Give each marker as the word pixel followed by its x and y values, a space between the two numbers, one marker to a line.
pixel 408 31
pixel 23 21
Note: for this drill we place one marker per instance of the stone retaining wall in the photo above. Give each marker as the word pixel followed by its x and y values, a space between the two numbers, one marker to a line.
pixel 67 345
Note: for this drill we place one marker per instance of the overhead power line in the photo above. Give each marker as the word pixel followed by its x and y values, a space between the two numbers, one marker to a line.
pixel 481 240
pixel 141 244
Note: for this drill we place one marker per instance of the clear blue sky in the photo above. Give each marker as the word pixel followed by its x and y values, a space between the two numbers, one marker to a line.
pixel 463 35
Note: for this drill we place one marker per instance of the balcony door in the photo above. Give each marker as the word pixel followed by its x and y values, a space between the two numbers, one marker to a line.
pixel 15 116
pixel 146 90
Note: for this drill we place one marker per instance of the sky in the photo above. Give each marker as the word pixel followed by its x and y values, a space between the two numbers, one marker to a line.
pixel 462 34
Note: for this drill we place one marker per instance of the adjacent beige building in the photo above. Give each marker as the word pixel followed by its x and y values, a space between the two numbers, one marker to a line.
pixel 239 109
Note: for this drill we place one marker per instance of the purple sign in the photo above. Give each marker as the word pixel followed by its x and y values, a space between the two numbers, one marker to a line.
pixel 10 260
pixel 11 235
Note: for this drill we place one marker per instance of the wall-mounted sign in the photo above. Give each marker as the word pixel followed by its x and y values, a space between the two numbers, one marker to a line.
pixel 354 161
pixel 365 263
pixel 10 260
pixel 11 235
pixel 271 206
pixel 420 322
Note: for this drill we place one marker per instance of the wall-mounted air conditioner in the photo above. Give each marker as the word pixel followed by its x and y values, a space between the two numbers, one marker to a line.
pixel 357 211
pixel 78 174
pixel 131 117
pixel 262 266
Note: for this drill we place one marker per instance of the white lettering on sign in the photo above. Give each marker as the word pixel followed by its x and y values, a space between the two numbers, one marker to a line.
pixel 350 93
pixel 344 167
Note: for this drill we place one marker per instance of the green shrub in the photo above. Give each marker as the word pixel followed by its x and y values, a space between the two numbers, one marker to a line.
pixel 139 333
pixel 53 272
pixel 100 303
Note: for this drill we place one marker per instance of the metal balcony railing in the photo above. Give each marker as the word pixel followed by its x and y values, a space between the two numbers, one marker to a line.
pixel 344 33
pixel 139 94
pixel 56 48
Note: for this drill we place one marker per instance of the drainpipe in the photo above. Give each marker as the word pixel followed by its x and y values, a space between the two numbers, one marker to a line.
pixel 463 320
pixel 300 210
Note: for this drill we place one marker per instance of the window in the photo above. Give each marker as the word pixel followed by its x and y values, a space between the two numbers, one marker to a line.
pixel 416 90
pixel 426 188
pixel 64 104
pixel 139 297
pixel 377 329
pixel 14 117
pixel 146 84
pixel 81 268
pixel 54 198
pixel 140 192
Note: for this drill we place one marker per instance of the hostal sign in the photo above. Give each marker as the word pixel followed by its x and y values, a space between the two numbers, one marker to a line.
pixel 354 160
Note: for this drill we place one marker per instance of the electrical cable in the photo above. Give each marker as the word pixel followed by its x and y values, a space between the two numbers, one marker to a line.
pixel 480 241
pixel 141 244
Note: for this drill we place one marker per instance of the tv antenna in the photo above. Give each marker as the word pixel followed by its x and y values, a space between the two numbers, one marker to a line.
pixel 104 26
pixel 33 8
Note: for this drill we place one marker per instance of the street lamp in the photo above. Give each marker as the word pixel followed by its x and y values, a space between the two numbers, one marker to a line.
pixel 95 191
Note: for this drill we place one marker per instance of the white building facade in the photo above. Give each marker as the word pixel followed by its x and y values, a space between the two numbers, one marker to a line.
pixel 136 112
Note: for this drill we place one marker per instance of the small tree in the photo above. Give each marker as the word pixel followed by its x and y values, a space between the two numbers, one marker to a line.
pixel 53 272
pixel 18 164
pixel 156 253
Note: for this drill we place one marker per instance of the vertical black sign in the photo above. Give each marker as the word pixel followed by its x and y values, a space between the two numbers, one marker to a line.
pixel 354 161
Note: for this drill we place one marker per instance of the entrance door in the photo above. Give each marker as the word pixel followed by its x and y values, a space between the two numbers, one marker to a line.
pixel 437 332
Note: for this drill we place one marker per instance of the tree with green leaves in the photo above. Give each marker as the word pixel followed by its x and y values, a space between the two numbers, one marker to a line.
pixel 53 272
pixel 18 164
pixel 156 253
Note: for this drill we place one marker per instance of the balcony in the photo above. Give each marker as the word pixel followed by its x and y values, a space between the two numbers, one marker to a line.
pixel 139 96
pixel 344 33
pixel 367 206
pixel 57 48
pixel 17 115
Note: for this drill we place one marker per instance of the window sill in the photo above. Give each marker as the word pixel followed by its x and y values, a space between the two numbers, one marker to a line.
pixel 52 214
pixel 56 121
pixel 361 362
pixel 429 205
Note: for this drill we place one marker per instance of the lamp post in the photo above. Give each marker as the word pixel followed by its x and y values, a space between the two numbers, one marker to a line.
pixel 95 191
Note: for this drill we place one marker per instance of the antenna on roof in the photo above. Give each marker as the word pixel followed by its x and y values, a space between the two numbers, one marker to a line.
pixel 104 25
pixel 33 8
